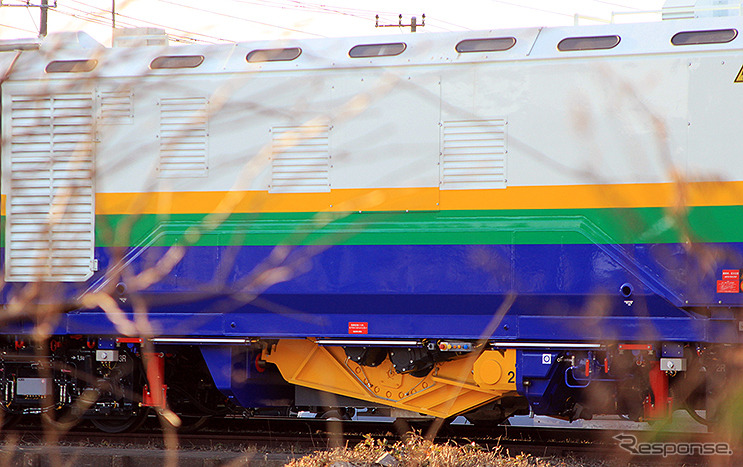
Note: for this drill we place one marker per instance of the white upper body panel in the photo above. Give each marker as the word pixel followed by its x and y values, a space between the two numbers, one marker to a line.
pixel 641 111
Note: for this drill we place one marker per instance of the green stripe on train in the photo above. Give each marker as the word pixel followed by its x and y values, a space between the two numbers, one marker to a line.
pixel 502 227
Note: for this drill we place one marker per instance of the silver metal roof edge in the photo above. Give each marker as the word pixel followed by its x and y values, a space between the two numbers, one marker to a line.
pixel 12 45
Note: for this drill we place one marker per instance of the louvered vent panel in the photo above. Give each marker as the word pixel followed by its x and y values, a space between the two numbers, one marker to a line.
pixel 50 218
pixel 473 154
pixel 300 159
pixel 115 107
pixel 183 137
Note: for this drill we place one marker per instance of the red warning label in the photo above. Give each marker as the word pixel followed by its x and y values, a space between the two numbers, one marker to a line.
pixel 731 274
pixel 363 328
pixel 727 286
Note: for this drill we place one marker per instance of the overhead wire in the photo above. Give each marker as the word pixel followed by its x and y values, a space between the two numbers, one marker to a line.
pixel 335 7
pixel 178 34
pixel 18 29
pixel 298 6
pixel 617 4
pixel 321 8
pixel 33 21
pixel 240 18
pixel 327 9
pixel 366 15
pixel 183 33
pixel 96 16
pixel 20 3
pixel 341 10
pixel 518 5
pixel 84 16
pixel 185 36
pixel 88 16
pixel 103 22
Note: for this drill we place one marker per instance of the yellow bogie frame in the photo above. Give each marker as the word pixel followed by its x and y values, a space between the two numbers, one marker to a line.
pixel 451 388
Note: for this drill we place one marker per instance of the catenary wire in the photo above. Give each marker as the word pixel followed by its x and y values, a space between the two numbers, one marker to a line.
pixel 33 21
pixel 104 22
pixel 360 11
pixel 19 29
pixel 183 32
pixel 532 8
pixel 240 18
pixel 617 4
pixel 363 14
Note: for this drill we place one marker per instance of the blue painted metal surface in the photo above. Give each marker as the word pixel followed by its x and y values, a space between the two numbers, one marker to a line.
pixel 237 375
pixel 538 378
pixel 563 292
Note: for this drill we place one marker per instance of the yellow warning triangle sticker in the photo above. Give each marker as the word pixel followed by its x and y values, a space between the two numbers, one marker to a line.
pixel 739 78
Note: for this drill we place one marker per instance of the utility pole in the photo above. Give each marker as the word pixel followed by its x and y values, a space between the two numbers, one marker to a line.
pixel 113 14
pixel 42 26
pixel 43 7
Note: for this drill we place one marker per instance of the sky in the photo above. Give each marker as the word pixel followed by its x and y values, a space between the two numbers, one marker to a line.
pixel 217 21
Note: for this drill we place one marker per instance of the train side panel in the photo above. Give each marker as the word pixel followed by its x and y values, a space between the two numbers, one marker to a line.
pixel 516 217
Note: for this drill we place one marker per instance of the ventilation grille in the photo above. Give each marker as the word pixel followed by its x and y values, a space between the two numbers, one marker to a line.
pixel 300 159
pixel 473 154
pixel 183 137
pixel 50 217
pixel 115 107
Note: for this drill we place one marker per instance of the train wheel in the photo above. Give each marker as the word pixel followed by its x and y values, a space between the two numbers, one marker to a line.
pixel 190 423
pixel 120 424
pixel 338 413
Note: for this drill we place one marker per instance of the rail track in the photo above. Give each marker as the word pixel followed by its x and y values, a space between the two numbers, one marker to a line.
pixel 224 439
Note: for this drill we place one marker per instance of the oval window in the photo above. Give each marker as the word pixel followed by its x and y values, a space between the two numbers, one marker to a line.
pixel 716 36
pixel 377 50
pixel 497 44
pixel 71 66
pixel 571 44
pixel 177 61
pixel 274 55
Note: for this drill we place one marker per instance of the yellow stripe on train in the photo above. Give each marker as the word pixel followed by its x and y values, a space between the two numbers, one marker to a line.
pixel 630 195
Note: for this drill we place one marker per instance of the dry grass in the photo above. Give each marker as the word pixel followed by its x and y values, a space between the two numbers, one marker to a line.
pixel 415 451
